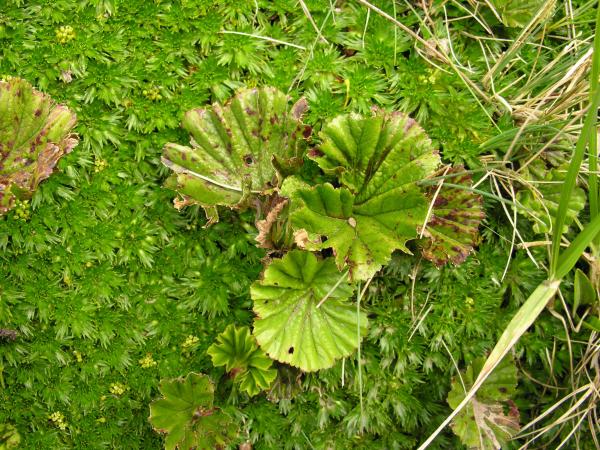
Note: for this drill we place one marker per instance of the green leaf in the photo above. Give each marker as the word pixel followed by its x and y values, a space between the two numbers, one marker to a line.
pixel 584 294
pixel 592 323
pixel 34 135
pixel 187 415
pixel 9 437
pixel 379 161
pixel 483 424
pixel 452 228
pixel 542 202
pixel 236 147
pixel 237 350
pixel 518 13
pixel 291 327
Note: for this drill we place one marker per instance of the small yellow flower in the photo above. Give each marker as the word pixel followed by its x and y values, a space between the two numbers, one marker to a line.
pixel 57 416
pixel 147 361
pixel 22 210
pixel 58 419
pixel 100 165
pixel 190 341
pixel 117 389
pixel 152 93
pixel 65 34
pixel 78 356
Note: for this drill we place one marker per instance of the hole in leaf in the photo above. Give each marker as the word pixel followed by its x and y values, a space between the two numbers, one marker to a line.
pixel 248 160
pixel 291 350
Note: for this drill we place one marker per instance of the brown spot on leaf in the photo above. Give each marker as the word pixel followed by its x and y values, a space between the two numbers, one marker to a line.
pixel 409 124
pixel 315 153
pixel 299 108
pixel 440 201
pixel 307 131
pixel 301 238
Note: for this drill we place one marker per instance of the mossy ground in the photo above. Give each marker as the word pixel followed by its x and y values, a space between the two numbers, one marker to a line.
pixel 101 276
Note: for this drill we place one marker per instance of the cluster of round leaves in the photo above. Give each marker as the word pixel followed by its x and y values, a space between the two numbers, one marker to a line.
pixel 247 149
pixel 250 150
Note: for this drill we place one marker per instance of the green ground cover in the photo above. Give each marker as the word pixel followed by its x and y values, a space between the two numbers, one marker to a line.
pixel 111 289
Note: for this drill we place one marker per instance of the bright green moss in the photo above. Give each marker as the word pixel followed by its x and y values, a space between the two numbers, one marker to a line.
pixel 99 271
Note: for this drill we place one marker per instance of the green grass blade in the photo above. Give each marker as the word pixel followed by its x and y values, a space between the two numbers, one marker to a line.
pixel 572 254
pixel 522 320
pixel 593 179
pixel 589 127
pixel 593 140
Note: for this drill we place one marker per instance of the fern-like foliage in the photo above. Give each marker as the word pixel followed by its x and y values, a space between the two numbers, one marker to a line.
pixel 236 349
pixel 518 13
pixel 34 134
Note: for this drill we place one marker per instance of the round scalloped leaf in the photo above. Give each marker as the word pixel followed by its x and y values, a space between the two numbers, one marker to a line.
pixel 34 134
pixel 377 155
pixel 291 327
pixel 187 415
pixel 453 226
pixel 379 161
pixel 364 236
pixel 483 423
pixel 237 350
pixel 236 148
